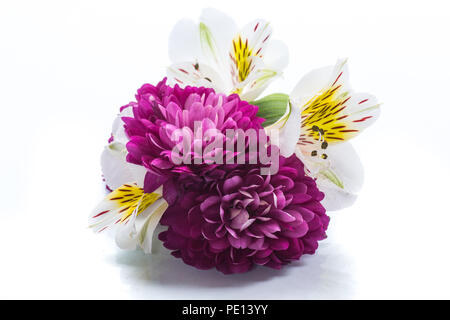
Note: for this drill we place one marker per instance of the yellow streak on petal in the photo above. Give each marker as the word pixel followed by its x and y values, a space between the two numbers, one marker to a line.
pixel 242 57
pixel 128 197
pixel 323 116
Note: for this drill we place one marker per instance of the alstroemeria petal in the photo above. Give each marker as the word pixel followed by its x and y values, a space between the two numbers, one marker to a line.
pixel 203 46
pixel 228 60
pixel 195 74
pixel 340 176
pixel 257 32
pixel 216 33
pixel 346 165
pixel 276 56
pixel 337 199
pixel 116 170
pixel 139 229
pixel 126 235
pixel 310 84
pixel 268 67
pixel 246 53
pixel 118 206
pixel 257 83
pixel 334 113
pixel 145 237
pixel 118 130
pixel 184 42
pixel 288 130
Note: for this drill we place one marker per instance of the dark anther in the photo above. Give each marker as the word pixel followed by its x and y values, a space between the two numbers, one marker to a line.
pixel 324 156
pixel 324 145
pixel 315 128
pixel 314 153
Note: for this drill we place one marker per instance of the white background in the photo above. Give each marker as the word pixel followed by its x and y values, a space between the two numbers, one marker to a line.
pixel 65 69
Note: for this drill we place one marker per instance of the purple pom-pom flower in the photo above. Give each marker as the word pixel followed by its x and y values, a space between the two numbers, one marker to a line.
pixel 248 219
pixel 161 112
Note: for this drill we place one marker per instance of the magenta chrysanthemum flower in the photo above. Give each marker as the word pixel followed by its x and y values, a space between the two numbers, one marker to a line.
pixel 161 110
pixel 248 219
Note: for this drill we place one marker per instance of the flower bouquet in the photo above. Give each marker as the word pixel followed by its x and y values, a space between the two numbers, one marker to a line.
pixel 237 180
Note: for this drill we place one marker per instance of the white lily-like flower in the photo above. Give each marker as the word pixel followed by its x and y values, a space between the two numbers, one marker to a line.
pixel 214 53
pixel 323 114
pixel 116 170
pixel 133 214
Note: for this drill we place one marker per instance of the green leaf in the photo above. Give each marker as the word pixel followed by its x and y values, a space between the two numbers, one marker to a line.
pixel 272 107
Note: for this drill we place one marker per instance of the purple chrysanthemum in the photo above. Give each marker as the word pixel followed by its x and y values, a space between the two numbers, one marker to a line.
pixel 161 110
pixel 247 219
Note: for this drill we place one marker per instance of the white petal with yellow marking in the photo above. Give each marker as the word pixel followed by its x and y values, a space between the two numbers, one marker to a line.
pixel 140 228
pixel 119 205
pixel 228 60
pixel 247 50
pixel 250 72
pixel 126 233
pixel 331 113
pixel 334 113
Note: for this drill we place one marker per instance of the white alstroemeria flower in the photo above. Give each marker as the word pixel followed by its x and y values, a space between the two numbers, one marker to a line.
pixel 323 114
pixel 214 53
pixel 116 170
pixel 132 214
